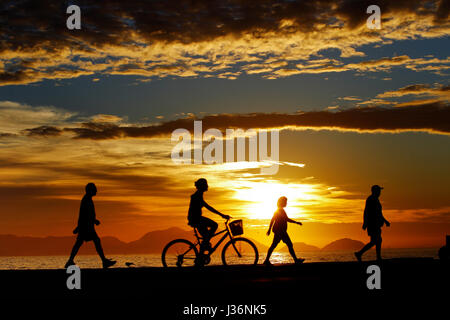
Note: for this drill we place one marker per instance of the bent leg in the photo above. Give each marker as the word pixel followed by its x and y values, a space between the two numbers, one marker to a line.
pixel 212 226
pixel 202 229
pixel 207 228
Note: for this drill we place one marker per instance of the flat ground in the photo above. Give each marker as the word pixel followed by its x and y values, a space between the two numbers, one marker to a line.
pixel 283 288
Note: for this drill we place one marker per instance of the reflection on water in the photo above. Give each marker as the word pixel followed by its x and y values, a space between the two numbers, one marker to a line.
pixel 154 260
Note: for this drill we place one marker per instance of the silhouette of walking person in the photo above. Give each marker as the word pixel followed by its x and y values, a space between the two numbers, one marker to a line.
pixel 279 226
pixel 373 221
pixel 86 228
pixel 205 226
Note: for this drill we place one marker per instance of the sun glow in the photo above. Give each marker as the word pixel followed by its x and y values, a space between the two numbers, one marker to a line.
pixel 262 198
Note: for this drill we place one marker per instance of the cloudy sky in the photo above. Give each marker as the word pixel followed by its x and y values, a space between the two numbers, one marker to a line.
pixel 355 107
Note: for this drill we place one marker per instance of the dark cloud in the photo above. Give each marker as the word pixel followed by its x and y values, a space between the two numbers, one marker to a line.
pixel 414 87
pixel 423 87
pixel 419 89
pixel 43 131
pixel 110 21
pixel 351 10
pixel 443 10
pixel 444 88
pixel 7 135
pixel 432 117
pixel 36 45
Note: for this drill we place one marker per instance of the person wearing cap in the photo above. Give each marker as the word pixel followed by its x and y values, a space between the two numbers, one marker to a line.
pixel 373 221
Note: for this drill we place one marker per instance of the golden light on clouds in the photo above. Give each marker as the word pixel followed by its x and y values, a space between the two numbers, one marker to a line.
pixel 272 43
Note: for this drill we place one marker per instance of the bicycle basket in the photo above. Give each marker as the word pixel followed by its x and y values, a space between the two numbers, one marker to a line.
pixel 236 227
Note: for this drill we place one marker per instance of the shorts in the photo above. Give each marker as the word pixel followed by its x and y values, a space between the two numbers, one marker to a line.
pixel 205 226
pixel 374 234
pixel 281 236
pixel 87 235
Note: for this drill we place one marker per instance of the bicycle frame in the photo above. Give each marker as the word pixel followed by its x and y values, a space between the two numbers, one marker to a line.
pixel 227 234
pixel 203 258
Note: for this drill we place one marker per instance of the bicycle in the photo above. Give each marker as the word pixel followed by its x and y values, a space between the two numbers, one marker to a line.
pixel 238 250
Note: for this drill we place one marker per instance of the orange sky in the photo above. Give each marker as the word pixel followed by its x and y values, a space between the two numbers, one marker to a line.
pixel 141 189
pixel 355 107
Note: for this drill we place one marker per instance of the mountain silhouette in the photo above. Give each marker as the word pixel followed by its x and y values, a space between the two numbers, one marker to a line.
pixel 343 244
pixel 151 242
pixel 154 241
pixel 301 246
pixel 261 247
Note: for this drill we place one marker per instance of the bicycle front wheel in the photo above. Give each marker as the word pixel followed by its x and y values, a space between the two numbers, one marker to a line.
pixel 240 251
pixel 179 253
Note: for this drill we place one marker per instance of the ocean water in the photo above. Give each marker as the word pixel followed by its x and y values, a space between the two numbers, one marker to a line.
pixel 154 260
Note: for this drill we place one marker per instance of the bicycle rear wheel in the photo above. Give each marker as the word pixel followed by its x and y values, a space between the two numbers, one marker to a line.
pixel 240 251
pixel 179 253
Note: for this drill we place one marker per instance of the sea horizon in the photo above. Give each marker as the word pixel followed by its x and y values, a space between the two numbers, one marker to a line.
pixel 92 261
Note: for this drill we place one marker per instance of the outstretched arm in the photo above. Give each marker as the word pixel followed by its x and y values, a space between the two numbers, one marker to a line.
pixel 293 221
pixel 207 206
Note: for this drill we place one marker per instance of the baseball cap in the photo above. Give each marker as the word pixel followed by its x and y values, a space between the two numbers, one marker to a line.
pixel 375 187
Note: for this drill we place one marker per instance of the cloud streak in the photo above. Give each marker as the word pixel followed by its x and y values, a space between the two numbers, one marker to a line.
pixel 431 117
pixel 15 116
pixel 418 89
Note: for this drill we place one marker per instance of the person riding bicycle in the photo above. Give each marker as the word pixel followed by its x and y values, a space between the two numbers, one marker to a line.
pixel 205 226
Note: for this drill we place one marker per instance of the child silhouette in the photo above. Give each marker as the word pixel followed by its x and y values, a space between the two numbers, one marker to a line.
pixel 279 226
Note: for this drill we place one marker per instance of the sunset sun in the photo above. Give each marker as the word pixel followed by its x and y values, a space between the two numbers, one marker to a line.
pixel 262 198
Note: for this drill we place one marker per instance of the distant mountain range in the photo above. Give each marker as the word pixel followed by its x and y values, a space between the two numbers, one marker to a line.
pixel 300 246
pixel 343 244
pixel 152 242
